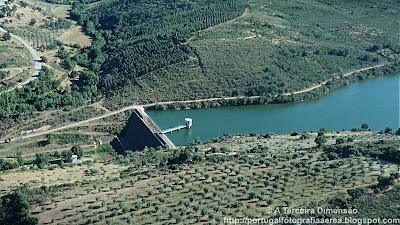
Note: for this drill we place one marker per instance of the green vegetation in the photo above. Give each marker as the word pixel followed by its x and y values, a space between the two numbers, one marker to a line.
pixel 58 24
pixel 42 160
pixel 164 51
pixel 153 36
pixel 32 98
pixel 368 205
pixel 176 51
pixel 297 49
pixel 288 51
pixel 146 51
pixel 234 176
pixel 6 11
pixel 317 63
pixel 77 150
pixel 12 54
pixel 6 36
pixel 9 164
pixel 39 40
pixel 3 74
pixel 14 209
pixel 67 138
pixel 69 2
pixel 387 150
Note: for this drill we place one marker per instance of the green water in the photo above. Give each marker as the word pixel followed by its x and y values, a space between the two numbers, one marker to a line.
pixel 374 101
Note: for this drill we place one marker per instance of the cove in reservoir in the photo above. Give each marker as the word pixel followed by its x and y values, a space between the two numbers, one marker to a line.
pixel 374 101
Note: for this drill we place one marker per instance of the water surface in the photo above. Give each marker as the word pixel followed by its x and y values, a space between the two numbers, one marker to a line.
pixel 374 101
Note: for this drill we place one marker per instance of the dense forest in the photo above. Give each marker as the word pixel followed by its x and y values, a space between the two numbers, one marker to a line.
pixel 139 37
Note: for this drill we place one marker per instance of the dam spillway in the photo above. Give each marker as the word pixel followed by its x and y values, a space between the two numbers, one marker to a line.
pixel 140 131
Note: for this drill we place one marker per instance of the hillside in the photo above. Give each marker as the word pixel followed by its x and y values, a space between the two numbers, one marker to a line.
pixel 233 176
pixel 270 49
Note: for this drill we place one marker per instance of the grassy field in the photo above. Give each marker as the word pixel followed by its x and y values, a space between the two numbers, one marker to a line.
pixel 14 54
pixel 238 176
pixel 75 34
pixel 281 44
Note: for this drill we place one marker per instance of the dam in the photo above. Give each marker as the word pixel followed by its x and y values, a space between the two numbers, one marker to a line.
pixel 140 131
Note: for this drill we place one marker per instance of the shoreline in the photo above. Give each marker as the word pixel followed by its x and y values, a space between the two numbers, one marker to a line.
pixel 337 77
pixel 273 99
pixel 188 104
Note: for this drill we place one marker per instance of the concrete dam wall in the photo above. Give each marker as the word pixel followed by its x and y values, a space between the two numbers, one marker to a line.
pixel 140 131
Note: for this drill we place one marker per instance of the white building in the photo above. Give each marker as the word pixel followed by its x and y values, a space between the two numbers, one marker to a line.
pixel 3 2
pixel 188 122
pixel 74 159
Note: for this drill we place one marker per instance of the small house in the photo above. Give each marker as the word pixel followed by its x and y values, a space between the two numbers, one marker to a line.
pixel 3 2
pixel 74 159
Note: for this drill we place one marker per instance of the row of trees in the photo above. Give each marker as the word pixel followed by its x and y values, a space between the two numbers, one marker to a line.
pixel 39 40
pixel 211 189
pixel 227 185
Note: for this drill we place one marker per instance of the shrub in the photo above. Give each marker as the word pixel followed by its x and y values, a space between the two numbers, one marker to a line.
pixel 332 156
pixel 357 192
pixel 384 181
pixel 42 160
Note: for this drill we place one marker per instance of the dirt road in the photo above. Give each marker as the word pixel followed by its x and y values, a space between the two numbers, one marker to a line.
pixel 338 77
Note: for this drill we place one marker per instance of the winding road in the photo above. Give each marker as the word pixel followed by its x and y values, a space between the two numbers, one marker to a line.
pixel 36 58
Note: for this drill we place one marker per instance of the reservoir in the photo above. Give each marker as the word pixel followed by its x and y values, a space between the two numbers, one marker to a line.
pixel 375 102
